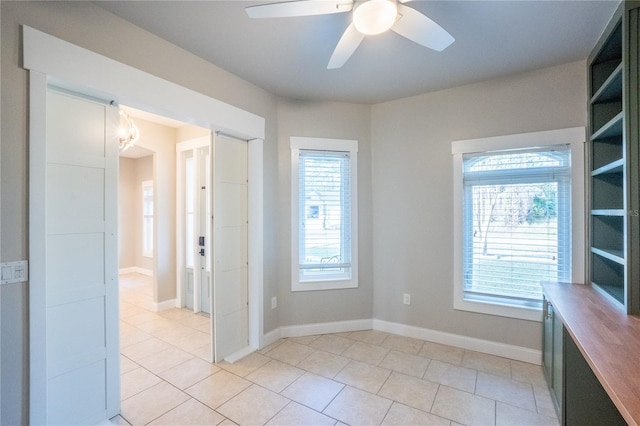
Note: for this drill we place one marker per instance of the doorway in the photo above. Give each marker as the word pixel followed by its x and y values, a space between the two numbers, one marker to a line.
pixel 150 307
pixel 194 234
pixel 99 76
pixel 213 272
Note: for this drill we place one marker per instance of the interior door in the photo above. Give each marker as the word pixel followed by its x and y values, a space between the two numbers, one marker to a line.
pixel 230 247
pixel 74 322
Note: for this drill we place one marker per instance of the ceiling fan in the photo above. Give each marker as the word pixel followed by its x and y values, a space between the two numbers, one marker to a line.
pixel 370 17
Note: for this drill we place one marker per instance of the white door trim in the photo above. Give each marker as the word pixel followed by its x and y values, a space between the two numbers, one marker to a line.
pixel 48 58
pixel 37 248
pixel 106 78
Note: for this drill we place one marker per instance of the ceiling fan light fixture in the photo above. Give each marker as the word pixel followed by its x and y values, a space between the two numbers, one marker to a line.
pixel 375 16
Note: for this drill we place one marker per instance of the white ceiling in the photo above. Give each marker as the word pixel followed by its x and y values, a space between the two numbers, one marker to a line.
pixel 288 56
pixel 147 116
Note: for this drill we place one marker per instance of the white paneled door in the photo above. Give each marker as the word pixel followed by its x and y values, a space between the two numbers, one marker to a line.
pixel 231 328
pixel 74 325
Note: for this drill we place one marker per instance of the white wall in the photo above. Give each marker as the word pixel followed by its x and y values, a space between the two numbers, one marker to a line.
pixel 413 193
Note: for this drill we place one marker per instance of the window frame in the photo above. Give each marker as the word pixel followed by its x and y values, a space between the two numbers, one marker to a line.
pixel 147 251
pixel 337 281
pixel 574 138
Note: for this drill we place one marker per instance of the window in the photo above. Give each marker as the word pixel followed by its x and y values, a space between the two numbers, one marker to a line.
pixel 189 202
pixel 324 212
pixel 147 218
pixel 516 222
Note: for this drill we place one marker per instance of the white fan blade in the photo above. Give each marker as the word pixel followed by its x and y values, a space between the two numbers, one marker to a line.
pixel 348 44
pixel 299 8
pixel 417 27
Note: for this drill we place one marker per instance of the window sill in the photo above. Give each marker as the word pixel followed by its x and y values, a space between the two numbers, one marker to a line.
pixel 323 285
pixel 498 309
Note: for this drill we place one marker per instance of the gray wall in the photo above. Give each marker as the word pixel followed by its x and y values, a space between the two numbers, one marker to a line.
pixel 127 177
pixel 328 120
pixel 161 168
pixel 131 173
pixel 413 192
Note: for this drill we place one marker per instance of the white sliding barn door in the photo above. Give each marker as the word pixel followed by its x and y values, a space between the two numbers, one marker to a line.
pixel 74 313
pixel 230 269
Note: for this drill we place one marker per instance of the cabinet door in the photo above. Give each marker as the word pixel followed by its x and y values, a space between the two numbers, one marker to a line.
pixel 547 340
pixel 586 403
pixel 558 349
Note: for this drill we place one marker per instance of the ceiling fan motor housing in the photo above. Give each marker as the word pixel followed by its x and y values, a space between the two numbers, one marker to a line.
pixel 373 17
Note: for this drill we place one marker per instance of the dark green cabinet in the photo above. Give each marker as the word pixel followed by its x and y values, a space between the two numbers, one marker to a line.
pixel 553 355
pixel 547 343
pixel 578 396
pixel 586 402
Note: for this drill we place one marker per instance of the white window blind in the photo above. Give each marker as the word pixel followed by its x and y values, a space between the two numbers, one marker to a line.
pixel 516 223
pixel 324 197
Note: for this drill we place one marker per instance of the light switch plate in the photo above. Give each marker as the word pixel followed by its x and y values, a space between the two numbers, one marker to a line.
pixel 14 272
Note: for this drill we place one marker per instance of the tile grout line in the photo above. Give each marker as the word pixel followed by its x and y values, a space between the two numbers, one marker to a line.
pixel 315 350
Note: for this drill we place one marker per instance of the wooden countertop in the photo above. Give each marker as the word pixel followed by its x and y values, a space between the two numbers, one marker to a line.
pixel 608 338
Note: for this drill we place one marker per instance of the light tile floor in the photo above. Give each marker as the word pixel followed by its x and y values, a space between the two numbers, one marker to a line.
pixel 358 378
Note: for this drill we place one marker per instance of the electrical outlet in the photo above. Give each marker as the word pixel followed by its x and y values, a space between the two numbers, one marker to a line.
pixel 274 302
pixel 407 299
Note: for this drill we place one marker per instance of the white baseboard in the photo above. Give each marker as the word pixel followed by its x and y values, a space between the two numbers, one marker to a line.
pixel 313 329
pixel 163 306
pixel 517 353
pixel 136 270
pixel 239 354
pixel 271 337
pixel 325 328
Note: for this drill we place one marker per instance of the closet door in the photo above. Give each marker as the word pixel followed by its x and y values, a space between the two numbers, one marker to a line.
pixel 74 288
pixel 230 268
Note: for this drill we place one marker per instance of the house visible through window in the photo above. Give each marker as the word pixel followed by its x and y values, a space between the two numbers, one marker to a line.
pixel 324 212
pixel 147 218
pixel 516 200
